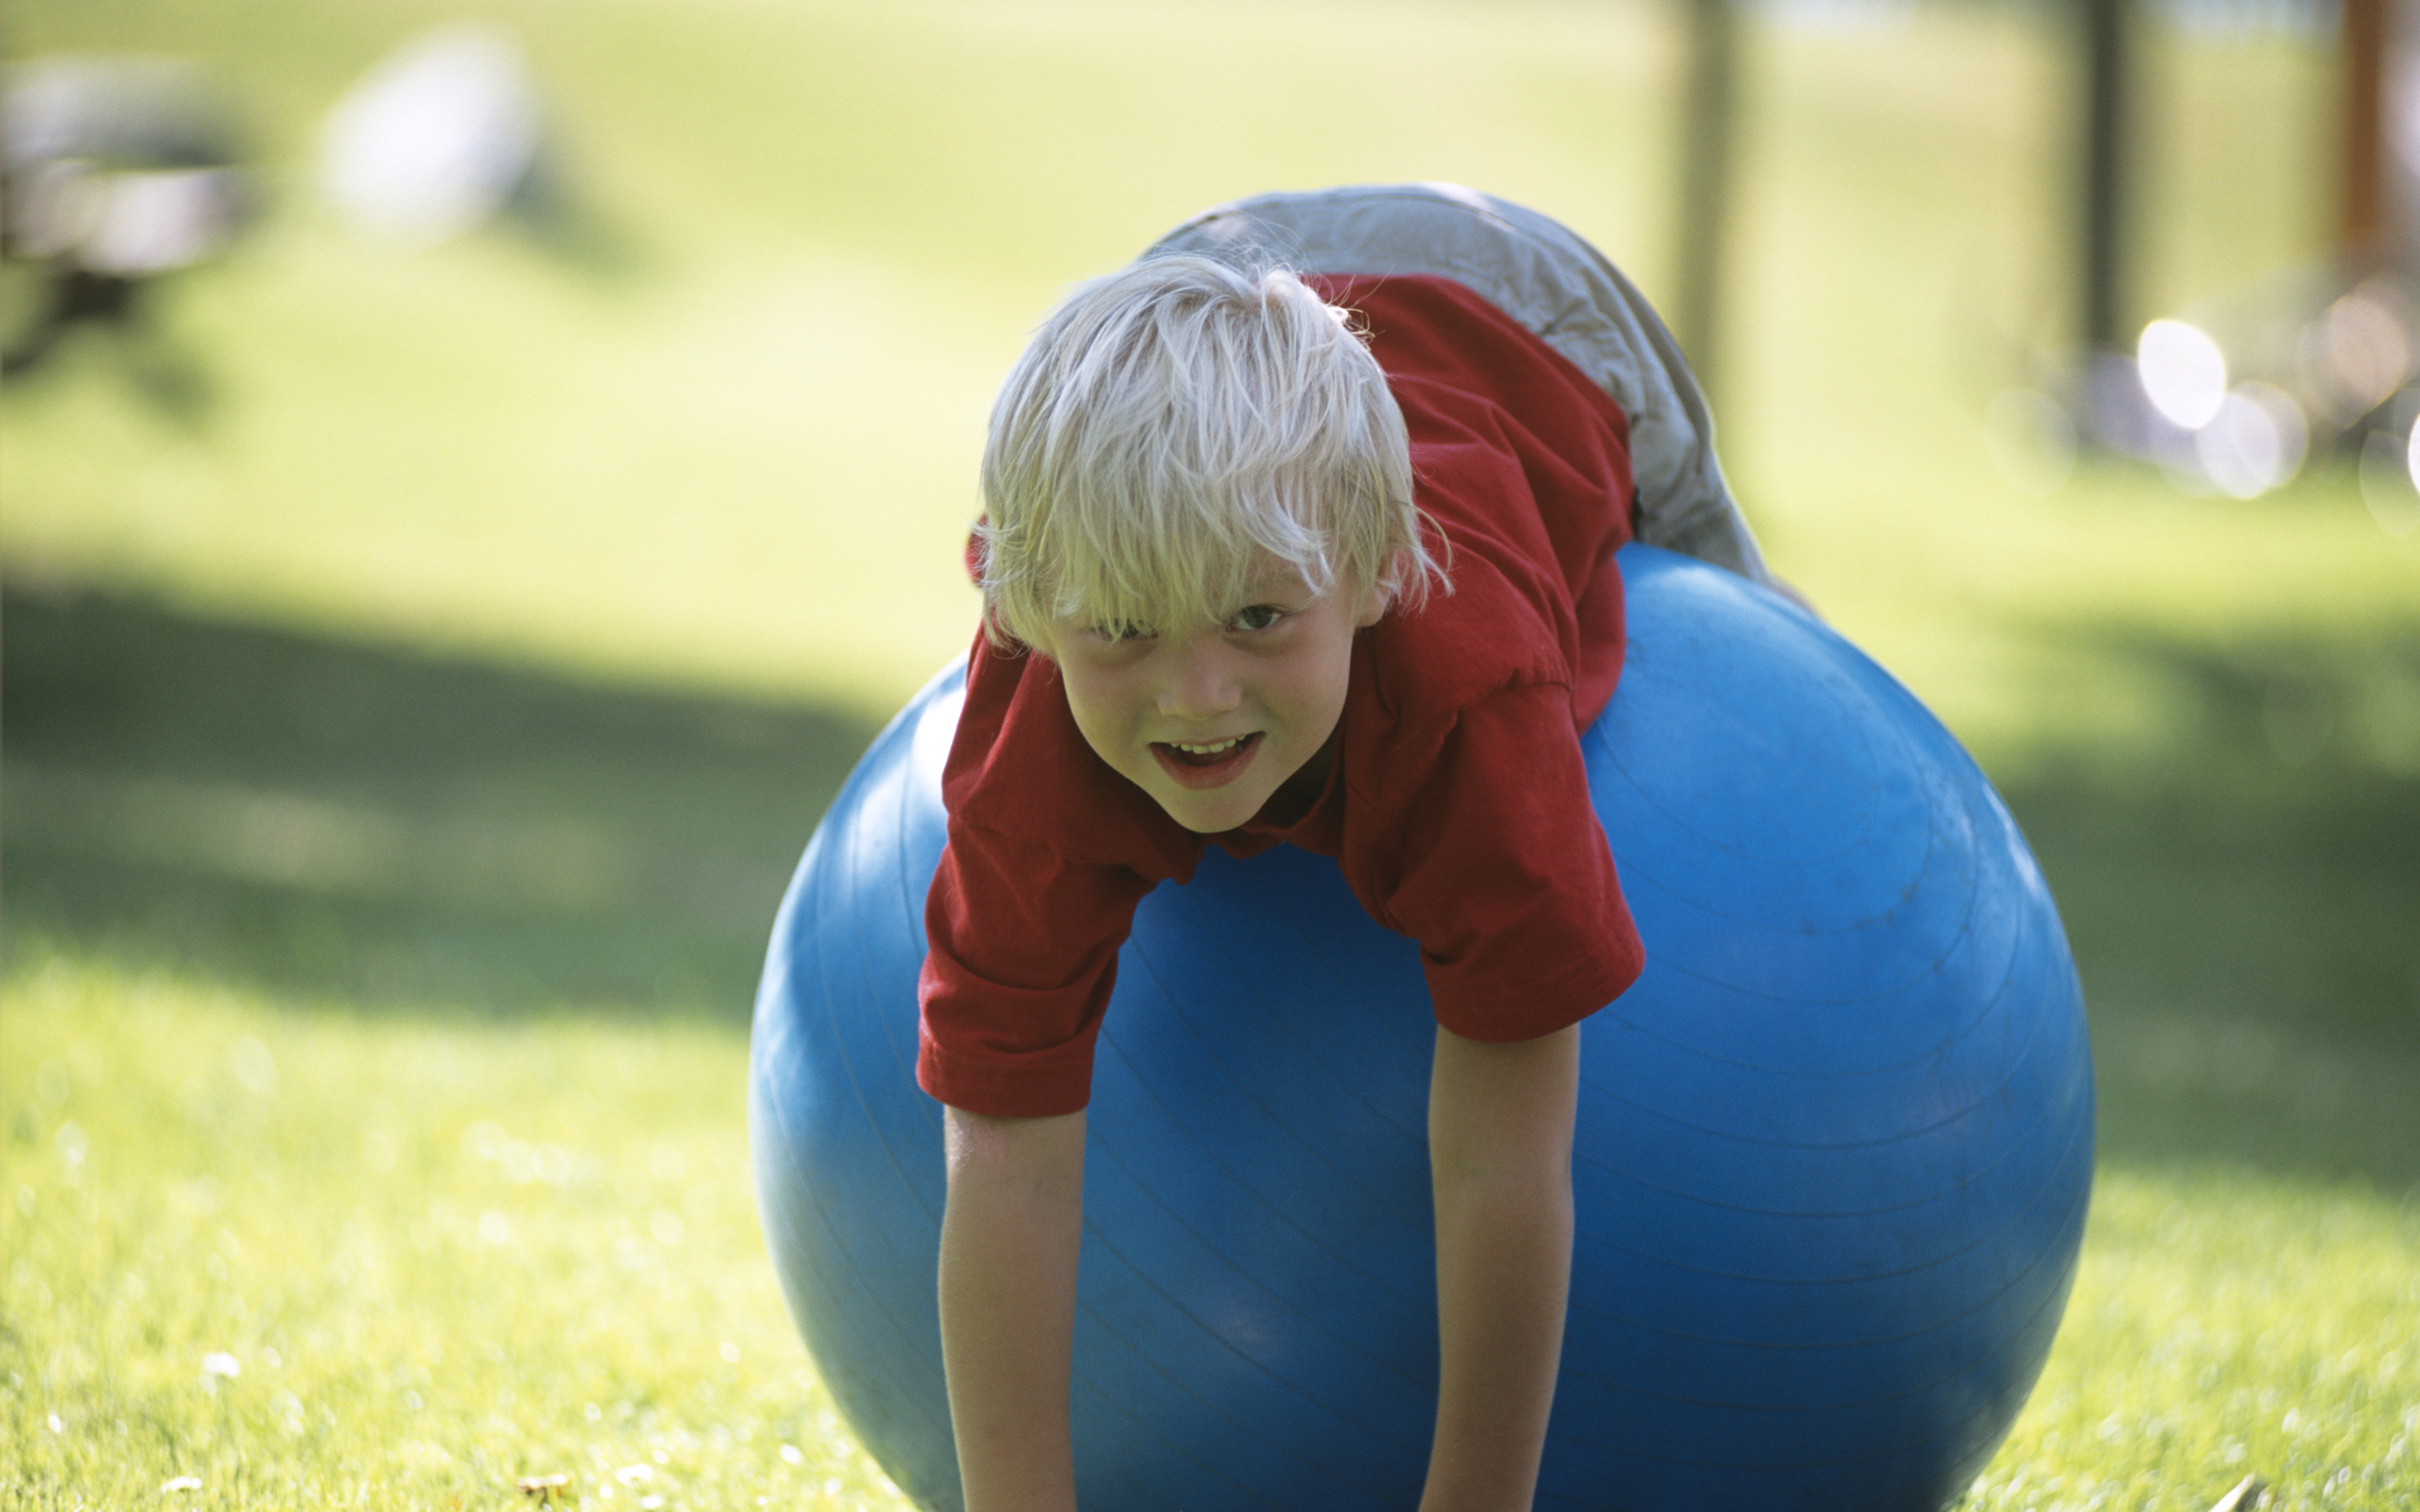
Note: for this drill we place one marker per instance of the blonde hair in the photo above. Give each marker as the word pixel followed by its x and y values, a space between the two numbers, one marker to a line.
pixel 1169 430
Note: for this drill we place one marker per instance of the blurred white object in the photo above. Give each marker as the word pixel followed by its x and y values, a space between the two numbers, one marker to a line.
pixel 121 166
pixel 435 139
pixel 2256 441
pixel 2360 350
pixel 2183 370
pixel 130 224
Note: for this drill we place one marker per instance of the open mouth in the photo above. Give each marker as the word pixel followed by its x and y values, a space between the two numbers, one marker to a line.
pixel 1210 754
pixel 1206 764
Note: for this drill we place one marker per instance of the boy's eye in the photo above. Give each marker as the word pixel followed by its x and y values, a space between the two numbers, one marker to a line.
pixel 1122 631
pixel 1258 617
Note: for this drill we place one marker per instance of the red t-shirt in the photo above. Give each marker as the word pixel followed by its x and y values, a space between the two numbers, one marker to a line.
pixel 1457 804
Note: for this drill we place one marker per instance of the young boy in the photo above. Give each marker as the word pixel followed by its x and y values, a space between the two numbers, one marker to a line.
pixel 1328 559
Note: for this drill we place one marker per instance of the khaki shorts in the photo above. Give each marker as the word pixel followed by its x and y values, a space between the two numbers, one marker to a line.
pixel 1541 274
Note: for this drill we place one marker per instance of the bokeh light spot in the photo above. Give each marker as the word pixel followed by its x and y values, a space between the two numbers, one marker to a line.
pixel 2256 441
pixel 2364 349
pixel 2183 370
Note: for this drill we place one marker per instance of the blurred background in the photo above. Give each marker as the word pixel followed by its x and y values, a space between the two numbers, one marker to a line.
pixel 476 474
pixel 413 403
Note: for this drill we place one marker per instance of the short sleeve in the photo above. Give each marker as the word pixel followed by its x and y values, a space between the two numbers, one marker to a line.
pixel 1505 878
pixel 1016 1039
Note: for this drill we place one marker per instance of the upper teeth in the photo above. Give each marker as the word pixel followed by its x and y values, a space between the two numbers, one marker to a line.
pixel 1207 751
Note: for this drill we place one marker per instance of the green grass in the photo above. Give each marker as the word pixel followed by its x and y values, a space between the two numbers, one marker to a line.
pixel 2197 1347
pixel 422 670
pixel 529 1248
pixel 311 1259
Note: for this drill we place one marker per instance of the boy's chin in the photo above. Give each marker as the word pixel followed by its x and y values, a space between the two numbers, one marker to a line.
pixel 1211 812
pixel 1204 819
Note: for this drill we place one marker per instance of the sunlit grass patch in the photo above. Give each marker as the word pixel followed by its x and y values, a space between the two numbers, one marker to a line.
pixel 2226 1324
pixel 298 1259
pixel 302 1259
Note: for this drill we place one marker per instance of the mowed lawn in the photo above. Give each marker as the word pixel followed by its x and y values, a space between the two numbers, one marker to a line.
pixel 422 668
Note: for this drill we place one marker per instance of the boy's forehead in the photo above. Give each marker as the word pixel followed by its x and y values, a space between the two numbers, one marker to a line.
pixel 1270 579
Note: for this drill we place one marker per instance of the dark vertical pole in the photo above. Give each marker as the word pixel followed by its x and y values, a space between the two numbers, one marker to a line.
pixel 1706 181
pixel 2362 227
pixel 2106 143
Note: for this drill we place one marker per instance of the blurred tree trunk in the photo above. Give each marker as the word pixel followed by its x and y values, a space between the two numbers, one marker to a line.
pixel 2365 235
pixel 1705 181
pixel 2106 143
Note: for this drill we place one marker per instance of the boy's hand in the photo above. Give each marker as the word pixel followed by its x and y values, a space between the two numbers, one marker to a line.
pixel 1008 1304
pixel 1500 1149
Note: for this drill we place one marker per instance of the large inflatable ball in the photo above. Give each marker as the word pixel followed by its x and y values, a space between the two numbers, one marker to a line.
pixel 1833 1157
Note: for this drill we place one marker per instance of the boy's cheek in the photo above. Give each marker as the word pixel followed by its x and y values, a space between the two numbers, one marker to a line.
pixel 1086 712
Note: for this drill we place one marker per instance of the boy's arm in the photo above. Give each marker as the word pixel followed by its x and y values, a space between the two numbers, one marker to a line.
pixel 1499 1145
pixel 1008 1304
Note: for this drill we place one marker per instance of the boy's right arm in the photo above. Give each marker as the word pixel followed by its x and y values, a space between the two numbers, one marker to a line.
pixel 1009 1237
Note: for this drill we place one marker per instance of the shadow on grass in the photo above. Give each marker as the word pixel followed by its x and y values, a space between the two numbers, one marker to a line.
pixel 387 832
pixel 336 823
pixel 2244 899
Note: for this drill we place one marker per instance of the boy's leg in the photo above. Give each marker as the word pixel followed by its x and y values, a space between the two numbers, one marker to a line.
pixel 1543 275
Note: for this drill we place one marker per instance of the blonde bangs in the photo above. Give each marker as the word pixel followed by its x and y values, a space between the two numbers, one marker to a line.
pixel 1176 430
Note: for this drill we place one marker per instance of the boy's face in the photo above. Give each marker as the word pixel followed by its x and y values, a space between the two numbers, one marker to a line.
pixel 1212 719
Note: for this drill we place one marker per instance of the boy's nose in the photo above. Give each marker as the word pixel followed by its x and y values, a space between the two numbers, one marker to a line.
pixel 1201 683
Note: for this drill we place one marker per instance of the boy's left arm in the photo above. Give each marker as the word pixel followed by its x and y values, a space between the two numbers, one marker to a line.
pixel 1499 1142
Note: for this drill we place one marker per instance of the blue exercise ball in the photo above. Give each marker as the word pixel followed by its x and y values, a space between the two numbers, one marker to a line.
pixel 1834 1148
